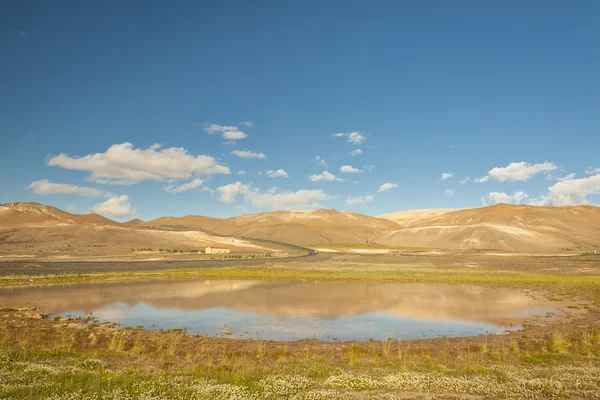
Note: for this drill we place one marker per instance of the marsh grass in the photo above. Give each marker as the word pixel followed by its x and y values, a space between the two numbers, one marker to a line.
pixel 121 363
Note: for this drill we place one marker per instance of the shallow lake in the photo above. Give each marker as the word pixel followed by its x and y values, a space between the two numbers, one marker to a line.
pixel 287 311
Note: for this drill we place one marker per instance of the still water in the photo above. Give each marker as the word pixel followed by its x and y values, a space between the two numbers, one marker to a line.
pixel 292 310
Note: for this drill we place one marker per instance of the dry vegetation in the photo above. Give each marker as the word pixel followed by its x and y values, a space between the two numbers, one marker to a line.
pixel 71 359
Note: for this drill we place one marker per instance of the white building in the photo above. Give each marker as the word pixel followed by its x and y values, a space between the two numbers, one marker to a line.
pixel 217 250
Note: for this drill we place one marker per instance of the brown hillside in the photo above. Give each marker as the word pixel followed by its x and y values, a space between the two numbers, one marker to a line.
pixel 297 227
pixel 505 227
pixel 36 214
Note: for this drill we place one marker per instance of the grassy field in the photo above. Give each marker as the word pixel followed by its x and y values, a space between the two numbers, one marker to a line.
pixel 40 358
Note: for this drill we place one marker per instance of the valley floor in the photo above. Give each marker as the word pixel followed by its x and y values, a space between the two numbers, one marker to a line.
pixel 73 359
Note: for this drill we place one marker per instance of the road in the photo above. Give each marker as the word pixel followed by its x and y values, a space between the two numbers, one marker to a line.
pixel 90 267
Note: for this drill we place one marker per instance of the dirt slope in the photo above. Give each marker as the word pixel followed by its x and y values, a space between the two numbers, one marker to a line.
pixel 415 217
pixel 504 227
pixel 36 214
pixel 297 227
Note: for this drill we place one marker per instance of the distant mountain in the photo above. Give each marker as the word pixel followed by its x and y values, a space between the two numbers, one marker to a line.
pixel 504 227
pixel 501 227
pixel 134 222
pixel 297 227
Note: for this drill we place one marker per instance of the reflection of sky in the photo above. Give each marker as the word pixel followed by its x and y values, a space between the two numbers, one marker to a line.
pixel 213 321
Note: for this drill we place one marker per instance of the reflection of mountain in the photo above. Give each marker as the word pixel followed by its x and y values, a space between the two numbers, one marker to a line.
pixel 291 299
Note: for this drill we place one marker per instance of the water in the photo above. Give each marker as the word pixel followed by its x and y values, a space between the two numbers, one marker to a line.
pixel 292 310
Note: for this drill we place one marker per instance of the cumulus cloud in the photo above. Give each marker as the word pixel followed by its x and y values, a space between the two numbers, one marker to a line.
pixel 355 152
pixel 249 124
pixel 592 171
pixel 324 177
pixel 446 175
pixel 387 186
pixel 321 161
pixel 228 193
pixel 271 198
pixel 571 192
pixel 369 168
pixel 46 187
pixel 349 169
pixel 115 207
pixel 227 132
pixel 280 173
pixel 242 172
pixel 567 177
pixel 463 181
pixel 122 164
pixel 353 137
pixel 517 171
pixel 359 200
pixel 248 154
pixel 450 192
pixel 501 197
pixel 195 183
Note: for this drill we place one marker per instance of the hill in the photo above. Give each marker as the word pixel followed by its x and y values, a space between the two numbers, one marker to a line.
pixel 415 217
pixel 297 227
pixel 37 229
pixel 35 214
pixel 504 227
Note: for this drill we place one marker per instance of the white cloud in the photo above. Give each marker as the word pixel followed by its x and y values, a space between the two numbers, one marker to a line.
pixel 348 169
pixel 46 187
pixel 324 177
pixel 115 207
pixel 517 171
pixel 71 208
pixel 387 186
pixel 519 196
pixel 356 138
pixel 248 154
pixel 228 132
pixel 359 200
pixel 463 181
pixel 321 161
pixel 446 175
pixel 483 202
pixel 234 135
pixel 355 152
pixel 483 179
pixel 280 173
pixel 567 177
pixel 242 172
pixel 369 168
pixel 501 197
pixel 249 124
pixel 195 183
pixel 122 164
pixel 570 192
pixel 450 192
pixel 353 137
pixel 592 171
pixel 270 198
pixel 228 193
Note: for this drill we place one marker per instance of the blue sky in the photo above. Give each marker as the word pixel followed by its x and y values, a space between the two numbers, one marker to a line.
pixel 506 90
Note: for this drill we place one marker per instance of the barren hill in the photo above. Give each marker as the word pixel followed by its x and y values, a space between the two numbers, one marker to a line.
pixel 36 214
pixel 415 217
pixel 504 227
pixel 33 228
pixel 297 227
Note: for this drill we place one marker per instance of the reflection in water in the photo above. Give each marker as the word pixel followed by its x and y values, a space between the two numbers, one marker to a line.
pixel 291 310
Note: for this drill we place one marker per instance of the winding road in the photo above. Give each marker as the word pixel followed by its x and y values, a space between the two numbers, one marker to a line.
pixel 90 267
